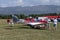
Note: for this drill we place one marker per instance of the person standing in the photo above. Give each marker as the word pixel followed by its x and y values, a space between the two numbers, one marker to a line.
pixel 37 19
pixel 55 23
pixel 8 21
pixel 48 23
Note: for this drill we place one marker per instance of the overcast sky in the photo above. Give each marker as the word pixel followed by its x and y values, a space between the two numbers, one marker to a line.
pixel 9 3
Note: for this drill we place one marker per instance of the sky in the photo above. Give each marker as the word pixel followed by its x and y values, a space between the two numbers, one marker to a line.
pixel 10 3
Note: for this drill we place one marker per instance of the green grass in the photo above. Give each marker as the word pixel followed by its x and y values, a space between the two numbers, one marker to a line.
pixel 23 32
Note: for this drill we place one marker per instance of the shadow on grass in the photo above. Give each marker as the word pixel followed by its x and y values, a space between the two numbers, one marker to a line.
pixel 12 28
pixel 21 27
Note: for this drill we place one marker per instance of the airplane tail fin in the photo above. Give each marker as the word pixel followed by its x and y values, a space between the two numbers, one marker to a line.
pixel 15 18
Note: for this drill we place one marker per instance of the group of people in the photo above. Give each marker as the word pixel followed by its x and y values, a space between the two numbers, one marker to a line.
pixel 54 23
pixel 48 21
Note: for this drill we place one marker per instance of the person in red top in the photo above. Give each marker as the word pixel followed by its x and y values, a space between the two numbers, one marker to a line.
pixel 8 21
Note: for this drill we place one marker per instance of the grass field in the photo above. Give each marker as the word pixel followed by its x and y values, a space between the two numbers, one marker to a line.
pixel 23 32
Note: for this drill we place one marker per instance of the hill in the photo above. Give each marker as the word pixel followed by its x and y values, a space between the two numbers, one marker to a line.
pixel 29 10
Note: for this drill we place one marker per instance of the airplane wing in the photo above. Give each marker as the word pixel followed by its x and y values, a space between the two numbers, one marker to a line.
pixel 35 23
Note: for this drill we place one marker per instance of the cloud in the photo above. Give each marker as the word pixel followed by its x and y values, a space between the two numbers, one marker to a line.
pixel 3 5
pixel 8 3
pixel 35 2
pixel 55 2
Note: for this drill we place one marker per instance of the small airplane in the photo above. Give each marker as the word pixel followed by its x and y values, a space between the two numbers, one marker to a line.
pixel 15 19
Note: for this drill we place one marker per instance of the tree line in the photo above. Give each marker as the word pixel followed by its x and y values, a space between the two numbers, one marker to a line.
pixel 24 16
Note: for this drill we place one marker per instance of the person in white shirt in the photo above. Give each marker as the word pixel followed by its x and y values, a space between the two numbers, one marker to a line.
pixel 55 23
pixel 48 23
